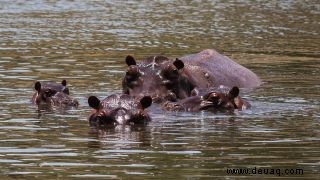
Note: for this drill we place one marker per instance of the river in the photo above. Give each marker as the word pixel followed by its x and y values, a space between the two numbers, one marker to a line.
pixel 86 43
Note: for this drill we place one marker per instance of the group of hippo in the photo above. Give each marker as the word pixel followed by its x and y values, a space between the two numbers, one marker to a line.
pixel 203 81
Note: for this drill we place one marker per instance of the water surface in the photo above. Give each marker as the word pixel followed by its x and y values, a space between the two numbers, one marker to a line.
pixel 86 42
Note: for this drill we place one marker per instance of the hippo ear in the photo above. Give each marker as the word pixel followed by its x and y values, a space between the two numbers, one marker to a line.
pixel 64 82
pixel 178 63
pixel 234 92
pixel 146 101
pixel 94 102
pixel 130 60
pixel 37 86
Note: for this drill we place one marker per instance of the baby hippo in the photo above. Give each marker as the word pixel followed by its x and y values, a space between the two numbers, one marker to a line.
pixel 62 87
pixel 52 94
pixel 119 109
pixel 219 99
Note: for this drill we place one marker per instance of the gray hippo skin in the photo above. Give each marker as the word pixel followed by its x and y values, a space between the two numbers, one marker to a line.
pixel 52 95
pixel 208 68
pixel 57 87
pixel 220 99
pixel 119 109
pixel 157 77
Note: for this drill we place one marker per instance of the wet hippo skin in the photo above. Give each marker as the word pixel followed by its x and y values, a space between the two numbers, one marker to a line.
pixel 52 95
pixel 219 99
pixel 56 87
pixel 119 109
pixel 208 68
pixel 157 77
pixel 164 79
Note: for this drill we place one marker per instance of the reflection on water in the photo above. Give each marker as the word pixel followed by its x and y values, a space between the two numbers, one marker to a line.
pixel 86 42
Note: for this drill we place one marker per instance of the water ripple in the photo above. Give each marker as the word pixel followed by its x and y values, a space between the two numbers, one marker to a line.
pixel 86 42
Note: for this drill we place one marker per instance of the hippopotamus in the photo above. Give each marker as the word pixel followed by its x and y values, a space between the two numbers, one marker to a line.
pixel 119 109
pixel 209 68
pixel 59 87
pixel 166 79
pixel 217 99
pixel 52 94
pixel 158 77
pixel 56 87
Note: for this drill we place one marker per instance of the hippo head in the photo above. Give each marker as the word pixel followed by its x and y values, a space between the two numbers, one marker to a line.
pixel 221 100
pixel 116 109
pixel 43 94
pixel 48 96
pixel 157 77
pixel 59 87
pixel 212 99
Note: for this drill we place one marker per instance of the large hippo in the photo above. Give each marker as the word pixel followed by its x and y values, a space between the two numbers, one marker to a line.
pixel 217 99
pixel 157 77
pixel 52 95
pixel 164 79
pixel 119 109
pixel 208 68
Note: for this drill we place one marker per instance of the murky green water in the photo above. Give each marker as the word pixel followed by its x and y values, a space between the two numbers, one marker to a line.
pixel 85 42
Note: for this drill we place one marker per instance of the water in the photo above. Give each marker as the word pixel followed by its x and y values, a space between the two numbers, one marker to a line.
pixel 86 43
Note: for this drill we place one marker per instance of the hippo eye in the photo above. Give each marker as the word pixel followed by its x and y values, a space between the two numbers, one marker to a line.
pixel 104 118
pixel 99 118
pixel 170 72
pixel 175 71
pixel 49 92
pixel 171 97
pixel 46 94
pixel 132 74
pixel 133 70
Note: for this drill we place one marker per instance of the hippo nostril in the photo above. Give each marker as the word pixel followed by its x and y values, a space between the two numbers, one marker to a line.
pixel 121 116
pixel 133 72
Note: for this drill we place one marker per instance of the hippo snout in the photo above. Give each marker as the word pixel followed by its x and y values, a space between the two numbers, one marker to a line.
pixel 121 115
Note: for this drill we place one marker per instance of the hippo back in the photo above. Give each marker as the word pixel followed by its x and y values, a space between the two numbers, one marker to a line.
pixel 209 68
